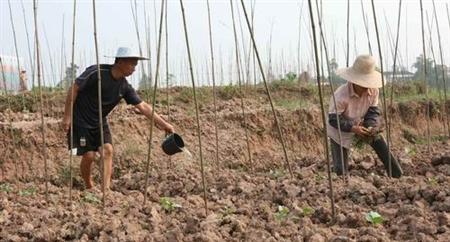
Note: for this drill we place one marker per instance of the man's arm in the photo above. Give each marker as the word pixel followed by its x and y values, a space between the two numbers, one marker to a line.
pixel 146 110
pixel 67 109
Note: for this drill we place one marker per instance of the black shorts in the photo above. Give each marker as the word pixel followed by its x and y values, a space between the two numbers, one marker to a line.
pixel 86 139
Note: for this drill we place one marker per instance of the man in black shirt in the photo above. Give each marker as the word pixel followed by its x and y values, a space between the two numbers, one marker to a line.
pixel 86 125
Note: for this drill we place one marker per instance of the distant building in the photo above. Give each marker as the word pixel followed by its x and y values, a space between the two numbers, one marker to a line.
pixel 10 72
pixel 401 75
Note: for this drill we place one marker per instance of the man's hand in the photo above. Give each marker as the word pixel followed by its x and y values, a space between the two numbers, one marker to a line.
pixel 168 128
pixel 66 124
pixel 360 131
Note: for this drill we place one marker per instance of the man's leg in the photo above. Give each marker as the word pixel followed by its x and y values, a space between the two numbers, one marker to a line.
pixel 107 161
pixel 380 147
pixel 337 161
pixel 85 167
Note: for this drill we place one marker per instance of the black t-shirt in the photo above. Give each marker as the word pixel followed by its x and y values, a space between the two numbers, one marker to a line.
pixel 85 111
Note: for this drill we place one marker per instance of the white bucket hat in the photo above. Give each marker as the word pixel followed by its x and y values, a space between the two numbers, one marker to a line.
pixel 125 52
pixel 362 73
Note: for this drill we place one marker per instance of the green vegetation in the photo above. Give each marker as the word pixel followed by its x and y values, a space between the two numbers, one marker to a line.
pixel 227 211
pixel 168 205
pixel 29 191
pixel 374 218
pixel 88 197
pixel 5 187
pixel 277 173
pixel 282 213
pixel 307 211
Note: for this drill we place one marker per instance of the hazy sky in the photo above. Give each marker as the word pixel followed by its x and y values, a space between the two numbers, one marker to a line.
pixel 277 21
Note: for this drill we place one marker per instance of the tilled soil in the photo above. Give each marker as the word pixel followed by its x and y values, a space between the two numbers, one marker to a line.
pixel 247 200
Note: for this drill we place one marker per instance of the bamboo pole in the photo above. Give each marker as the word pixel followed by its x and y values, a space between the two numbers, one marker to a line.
pixel 299 68
pixel 383 86
pixel 388 117
pixel 244 121
pixel 100 108
pixel 149 50
pixel 348 34
pixel 62 56
pixel 167 64
pixel 431 48
pixel 425 78
pixel 72 94
pixel 269 96
pixel 216 130
pixel 150 139
pixel 11 129
pixel 366 26
pixel 444 109
pixel 135 20
pixel 17 55
pixel 325 136
pixel 330 80
pixel 196 107
pixel 41 102
pixel 28 45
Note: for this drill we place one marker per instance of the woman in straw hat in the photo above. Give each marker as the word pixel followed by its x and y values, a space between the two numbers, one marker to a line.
pixel 358 113
pixel 86 128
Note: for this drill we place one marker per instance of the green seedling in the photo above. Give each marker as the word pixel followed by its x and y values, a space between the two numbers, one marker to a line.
pixel 227 211
pixel 432 181
pixel 374 218
pixel 30 191
pixel 5 187
pixel 282 213
pixel 168 205
pixel 88 197
pixel 319 177
pixel 277 173
pixel 306 211
pixel 411 151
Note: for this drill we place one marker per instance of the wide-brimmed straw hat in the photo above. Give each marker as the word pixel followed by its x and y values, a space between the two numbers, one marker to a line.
pixel 362 73
pixel 125 52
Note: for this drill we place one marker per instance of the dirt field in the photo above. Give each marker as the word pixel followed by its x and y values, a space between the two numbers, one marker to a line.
pixel 247 201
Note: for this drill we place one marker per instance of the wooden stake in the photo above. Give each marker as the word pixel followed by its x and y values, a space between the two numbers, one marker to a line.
pixel 444 109
pixel 277 123
pixel 425 72
pixel 322 107
pixel 196 108
pixel 41 101
pixel 213 75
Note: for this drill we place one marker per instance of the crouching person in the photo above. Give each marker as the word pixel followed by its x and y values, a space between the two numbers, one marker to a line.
pixel 358 113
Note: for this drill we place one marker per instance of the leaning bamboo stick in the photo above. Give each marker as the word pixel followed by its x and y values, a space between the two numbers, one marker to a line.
pixel 244 121
pixel 366 26
pixel 216 130
pixel 100 108
pixel 72 94
pixel 17 54
pixel 28 45
pixel 150 139
pixel 347 56
pixel 322 107
pixel 196 107
pixel 425 72
pixel 389 120
pixel 41 102
pixel 383 86
pixel 330 80
pixel 444 109
pixel 277 123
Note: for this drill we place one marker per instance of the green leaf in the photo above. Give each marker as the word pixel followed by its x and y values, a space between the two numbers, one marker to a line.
pixel 282 213
pixel 88 197
pixel 168 205
pixel 27 191
pixel 374 218
pixel 5 187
